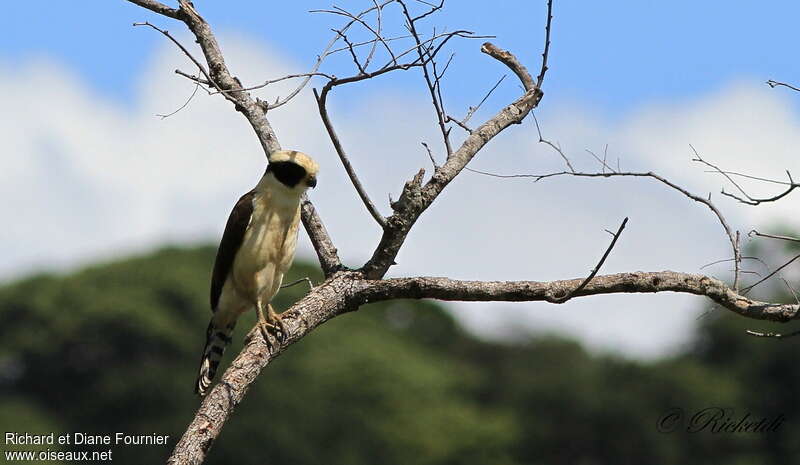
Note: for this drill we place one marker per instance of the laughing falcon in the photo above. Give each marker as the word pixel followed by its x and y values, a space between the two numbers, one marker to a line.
pixel 256 250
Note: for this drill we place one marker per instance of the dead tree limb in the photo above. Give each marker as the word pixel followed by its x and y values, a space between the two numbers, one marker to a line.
pixel 253 109
pixel 346 291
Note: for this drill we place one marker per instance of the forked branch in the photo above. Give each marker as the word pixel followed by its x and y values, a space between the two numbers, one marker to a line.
pixel 346 291
pixel 348 167
pixel 221 78
pixel 416 197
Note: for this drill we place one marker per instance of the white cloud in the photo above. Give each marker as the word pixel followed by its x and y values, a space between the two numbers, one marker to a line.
pixel 84 178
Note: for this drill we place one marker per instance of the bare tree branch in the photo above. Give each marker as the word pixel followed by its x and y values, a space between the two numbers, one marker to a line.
pixel 331 298
pixel 758 201
pixel 749 200
pixel 254 110
pixel 775 84
pixel 471 111
pixel 393 61
pixel 321 97
pixel 508 59
pixel 729 233
pixel 750 287
pixel 546 52
pixel 757 178
pixel 346 291
pixel 555 147
pixel 430 155
pixel 582 285
pixel 375 31
pixel 348 167
pixel 188 54
pixel 320 58
pixel 185 104
pixel 306 280
pixel 530 291
pixel 195 79
pixel 158 7
pixel 283 78
pixel 431 83
pixel 221 77
pixel 774 236
pixel 416 198
pixel 717 262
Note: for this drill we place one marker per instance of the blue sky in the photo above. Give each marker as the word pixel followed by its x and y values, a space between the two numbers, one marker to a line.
pixel 86 155
pixel 611 55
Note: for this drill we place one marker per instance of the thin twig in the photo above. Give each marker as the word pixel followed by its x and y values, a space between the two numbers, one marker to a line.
pixel 724 260
pixel 558 150
pixel 376 32
pixel 748 199
pixel 773 236
pixel 191 57
pixel 791 289
pixel 352 50
pixel 572 293
pixel 195 79
pixel 434 9
pixel 750 287
pixel 775 84
pixel 370 42
pixel 749 272
pixel 298 281
pixel 320 58
pixel 602 161
pixel 273 81
pixel 348 167
pixel 194 92
pixel 772 335
pixel 707 202
pixel 699 159
pixel 460 124
pixel 502 176
pixel 757 178
pixel 546 52
pixel 737 259
pixel 472 110
pixel 445 36
pixel 754 201
pixel 321 98
pixel 400 66
pixel 435 97
pixel 430 155
pixel 446 66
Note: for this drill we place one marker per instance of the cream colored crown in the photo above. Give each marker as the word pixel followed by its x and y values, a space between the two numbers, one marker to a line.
pixel 299 158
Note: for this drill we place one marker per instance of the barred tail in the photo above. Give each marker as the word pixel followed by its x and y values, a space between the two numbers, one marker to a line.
pixel 217 339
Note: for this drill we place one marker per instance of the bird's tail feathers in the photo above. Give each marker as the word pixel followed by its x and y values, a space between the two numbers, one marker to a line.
pixel 217 339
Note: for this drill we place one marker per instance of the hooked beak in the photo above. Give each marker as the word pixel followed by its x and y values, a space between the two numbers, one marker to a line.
pixel 312 181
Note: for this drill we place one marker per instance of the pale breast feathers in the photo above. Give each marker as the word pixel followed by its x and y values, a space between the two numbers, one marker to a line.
pixel 268 248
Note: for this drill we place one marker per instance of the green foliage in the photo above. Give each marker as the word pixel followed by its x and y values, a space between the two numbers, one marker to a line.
pixel 115 347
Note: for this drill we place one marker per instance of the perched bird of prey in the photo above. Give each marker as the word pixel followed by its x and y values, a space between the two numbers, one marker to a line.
pixel 256 250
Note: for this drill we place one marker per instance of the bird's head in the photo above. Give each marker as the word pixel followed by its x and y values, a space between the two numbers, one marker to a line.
pixel 295 170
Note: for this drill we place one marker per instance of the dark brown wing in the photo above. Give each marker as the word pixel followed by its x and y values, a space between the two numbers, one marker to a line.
pixel 231 241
